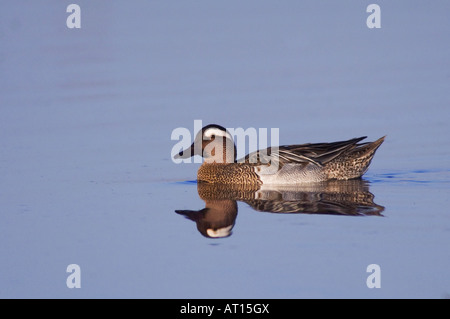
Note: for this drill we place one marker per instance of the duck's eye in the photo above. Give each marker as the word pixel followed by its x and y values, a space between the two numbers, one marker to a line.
pixel 213 136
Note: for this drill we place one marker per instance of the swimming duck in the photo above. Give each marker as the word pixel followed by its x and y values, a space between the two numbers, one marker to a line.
pixel 283 165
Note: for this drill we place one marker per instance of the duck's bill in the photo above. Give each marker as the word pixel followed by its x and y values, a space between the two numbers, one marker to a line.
pixel 189 152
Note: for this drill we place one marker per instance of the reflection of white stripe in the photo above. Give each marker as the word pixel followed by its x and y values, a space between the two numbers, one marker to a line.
pixel 221 232
pixel 217 132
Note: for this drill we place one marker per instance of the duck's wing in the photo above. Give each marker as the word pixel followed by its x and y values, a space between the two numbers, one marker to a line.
pixel 317 154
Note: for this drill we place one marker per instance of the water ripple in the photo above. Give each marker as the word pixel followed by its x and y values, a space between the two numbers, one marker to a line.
pixel 415 176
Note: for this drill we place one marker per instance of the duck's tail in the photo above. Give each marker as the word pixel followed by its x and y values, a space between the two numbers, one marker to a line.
pixel 368 148
pixel 355 163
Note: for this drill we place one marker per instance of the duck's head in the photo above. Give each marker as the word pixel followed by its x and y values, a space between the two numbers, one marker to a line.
pixel 214 143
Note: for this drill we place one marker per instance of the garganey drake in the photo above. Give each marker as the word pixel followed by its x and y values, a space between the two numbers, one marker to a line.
pixel 283 165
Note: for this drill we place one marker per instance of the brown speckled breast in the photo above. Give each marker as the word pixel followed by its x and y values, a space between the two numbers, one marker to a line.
pixel 219 191
pixel 233 173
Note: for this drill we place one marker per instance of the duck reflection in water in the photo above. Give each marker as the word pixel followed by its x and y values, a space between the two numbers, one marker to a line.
pixel 217 219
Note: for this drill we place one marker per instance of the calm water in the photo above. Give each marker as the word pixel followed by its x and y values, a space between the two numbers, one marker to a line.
pixel 86 117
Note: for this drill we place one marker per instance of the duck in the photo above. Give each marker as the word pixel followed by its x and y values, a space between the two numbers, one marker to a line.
pixel 281 165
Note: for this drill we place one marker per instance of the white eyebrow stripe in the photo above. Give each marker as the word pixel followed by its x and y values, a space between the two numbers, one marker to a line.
pixel 217 132
pixel 221 232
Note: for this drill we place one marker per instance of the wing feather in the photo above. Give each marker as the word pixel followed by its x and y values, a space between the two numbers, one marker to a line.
pixel 318 154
